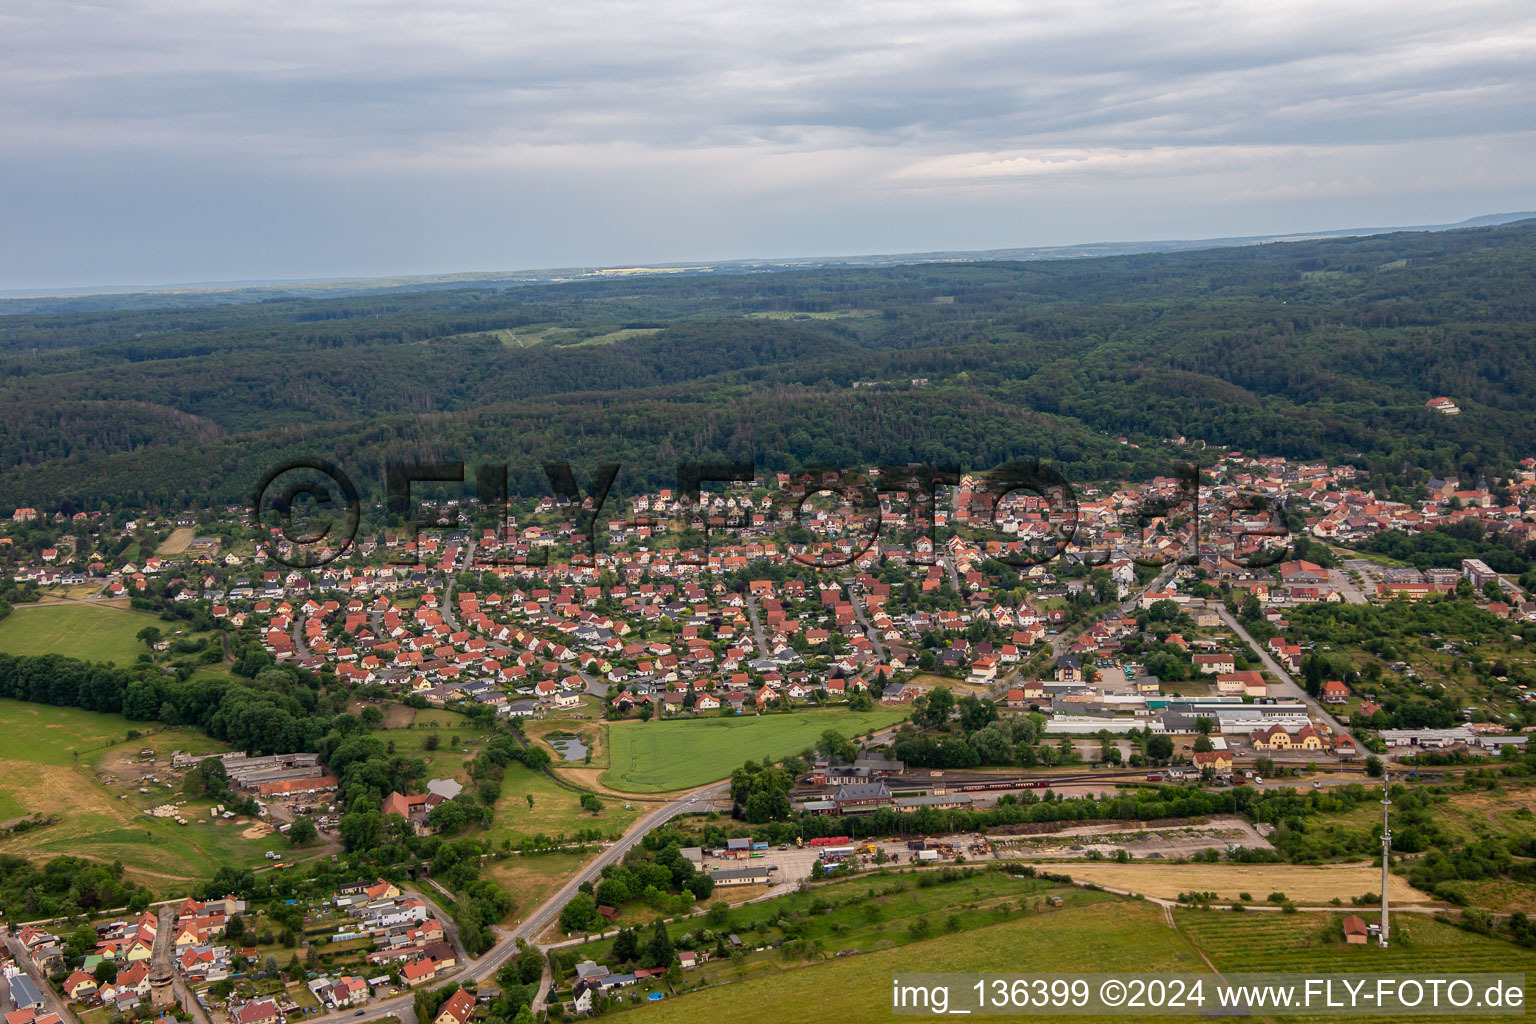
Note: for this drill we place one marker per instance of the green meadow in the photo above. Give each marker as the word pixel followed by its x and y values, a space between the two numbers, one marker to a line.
pixel 657 757
pixel 90 632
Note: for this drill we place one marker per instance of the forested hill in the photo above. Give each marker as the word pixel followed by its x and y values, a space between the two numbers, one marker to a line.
pixel 1307 349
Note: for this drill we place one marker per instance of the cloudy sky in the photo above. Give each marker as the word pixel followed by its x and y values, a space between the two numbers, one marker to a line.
pixel 157 141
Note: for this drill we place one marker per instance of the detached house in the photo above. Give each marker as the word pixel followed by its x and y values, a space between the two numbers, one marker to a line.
pixel 414 808
pixel 456 1009
pixel 1215 664
pixel 258 1012
pixel 80 986
pixel 419 972
pixel 1218 761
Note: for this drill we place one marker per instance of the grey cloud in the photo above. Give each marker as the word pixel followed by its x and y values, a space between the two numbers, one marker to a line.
pixel 683 129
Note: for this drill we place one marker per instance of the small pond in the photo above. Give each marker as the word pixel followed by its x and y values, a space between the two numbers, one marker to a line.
pixel 570 749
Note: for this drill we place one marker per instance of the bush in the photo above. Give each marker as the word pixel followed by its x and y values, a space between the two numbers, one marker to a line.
pixel 1475 920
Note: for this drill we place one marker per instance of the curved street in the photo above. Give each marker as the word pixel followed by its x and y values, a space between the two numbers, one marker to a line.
pixel 534 924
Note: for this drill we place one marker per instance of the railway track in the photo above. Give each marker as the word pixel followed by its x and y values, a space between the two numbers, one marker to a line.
pixel 978 782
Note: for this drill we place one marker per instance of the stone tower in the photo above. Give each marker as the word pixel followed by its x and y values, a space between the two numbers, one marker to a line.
pixel 161 985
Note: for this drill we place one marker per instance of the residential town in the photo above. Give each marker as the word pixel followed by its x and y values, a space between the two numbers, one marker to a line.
pixel 1181 647
pixel 649 628
pixel 202 956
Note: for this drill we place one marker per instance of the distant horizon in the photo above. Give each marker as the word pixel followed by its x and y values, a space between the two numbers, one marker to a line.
pixel 281 141
pixel 1064 250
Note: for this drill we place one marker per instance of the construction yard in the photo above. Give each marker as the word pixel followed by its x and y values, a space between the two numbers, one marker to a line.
pixel 1140 842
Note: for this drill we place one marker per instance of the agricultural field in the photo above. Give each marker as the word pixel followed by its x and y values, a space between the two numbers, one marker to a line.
pixel 101 814
pixel 43 734
pixel 990 934
pixel 873 912
pixel 1105 933
pixel 1296 943
pixel 862 914
pixel 75 592
pixel 1464 815
pixel 1506 815
pixel 657 757
pixel 530 335
pixel 83 631
pixel 177 543
pixel 1306 885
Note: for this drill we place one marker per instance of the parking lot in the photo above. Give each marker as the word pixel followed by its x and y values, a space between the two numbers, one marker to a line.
pixel 792 864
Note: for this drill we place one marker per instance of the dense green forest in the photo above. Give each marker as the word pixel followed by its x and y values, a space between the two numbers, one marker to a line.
pixel 1306 349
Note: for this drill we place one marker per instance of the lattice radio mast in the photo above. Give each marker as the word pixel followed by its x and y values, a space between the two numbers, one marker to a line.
pixel 1386 854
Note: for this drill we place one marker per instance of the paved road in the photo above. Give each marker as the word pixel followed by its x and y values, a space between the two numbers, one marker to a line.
pixel 541 918
pixel 300 649
pixel 51 999
pixel 165 952
pixel 1286 682
pixel 535 923
pixel 1339 579
pixel 857 601
pixel 447 608
pixel 757 626
pixel 450 926
pixel 954 576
